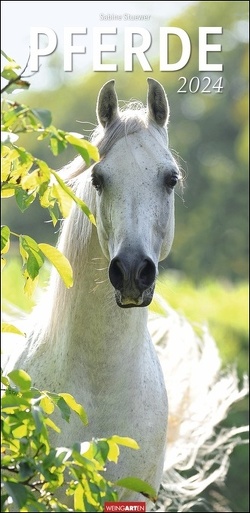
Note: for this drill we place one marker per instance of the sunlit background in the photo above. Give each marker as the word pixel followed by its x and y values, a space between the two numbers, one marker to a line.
pixel 206 276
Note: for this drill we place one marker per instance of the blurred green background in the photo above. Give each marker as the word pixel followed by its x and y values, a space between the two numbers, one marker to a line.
pixel 206 275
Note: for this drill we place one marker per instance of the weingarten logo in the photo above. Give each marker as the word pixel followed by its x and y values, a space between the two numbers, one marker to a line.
pixel 124 506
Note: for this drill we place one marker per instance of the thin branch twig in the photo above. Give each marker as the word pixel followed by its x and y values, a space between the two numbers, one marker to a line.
pixel 20 76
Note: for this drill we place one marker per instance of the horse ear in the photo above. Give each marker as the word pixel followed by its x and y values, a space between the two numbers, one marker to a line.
pixel 107 104
pixel 158 108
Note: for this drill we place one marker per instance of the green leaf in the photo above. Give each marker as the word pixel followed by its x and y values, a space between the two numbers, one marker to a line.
pixel 11 400
pixel 11 64
pixel 44 116
pixel 78 498
pixel 71 402
pixel 47 404
pixel 57 145
pixel 78 201
pixel 44 168
pixel 20 431
pixel 103 449
pixel 5 381
pixel 137 485
pixel 54 213
pixel 59 261
pixel 64 200
pixel 34 256
pixel 18 493
pixel 24 199
pixel 9 74
pixel 9 117
pixel 49 459
pixel 32 181
pixel 114 451
pixel 21 379
pixel 10 328
pixel 85 148
pixel 64 409
pixel 62 405
pixel 6 56
pixel 5 239
pixel 27 469
pixel 38 418
pixel 17 85
pixel 52 425
pixel 115 441
pixel 25 157
pixel 123 440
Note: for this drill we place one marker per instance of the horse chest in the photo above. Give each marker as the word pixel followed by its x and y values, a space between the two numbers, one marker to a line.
pixel 135 408
pixel 120 399
pixel 126 400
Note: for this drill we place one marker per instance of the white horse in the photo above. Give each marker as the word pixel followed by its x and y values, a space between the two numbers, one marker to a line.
pixel 92 341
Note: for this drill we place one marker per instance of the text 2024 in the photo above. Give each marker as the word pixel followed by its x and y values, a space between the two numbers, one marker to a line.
pixel 204 85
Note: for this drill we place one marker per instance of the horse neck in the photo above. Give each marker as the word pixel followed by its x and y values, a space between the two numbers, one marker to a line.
pixel 85 320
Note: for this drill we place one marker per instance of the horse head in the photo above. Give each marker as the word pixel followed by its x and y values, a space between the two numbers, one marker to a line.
pixel 134 183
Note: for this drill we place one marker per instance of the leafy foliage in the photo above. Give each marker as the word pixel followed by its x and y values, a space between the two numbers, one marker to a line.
pixel 26 177
pixel 32 470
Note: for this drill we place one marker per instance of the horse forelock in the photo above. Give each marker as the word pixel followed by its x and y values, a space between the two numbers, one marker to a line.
pixel 131 119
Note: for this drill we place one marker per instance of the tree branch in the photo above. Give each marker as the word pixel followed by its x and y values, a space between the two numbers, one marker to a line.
pixel 19 77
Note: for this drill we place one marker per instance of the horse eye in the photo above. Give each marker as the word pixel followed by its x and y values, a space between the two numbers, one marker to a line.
pixel 96 182
pixel 172 180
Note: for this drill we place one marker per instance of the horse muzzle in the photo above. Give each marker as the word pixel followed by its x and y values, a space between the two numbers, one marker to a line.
pixel 133 280
pixel 130 302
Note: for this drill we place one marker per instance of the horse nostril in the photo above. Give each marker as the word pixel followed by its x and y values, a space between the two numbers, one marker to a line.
pixel 146 273
pixel 116 273
pixel 136 276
